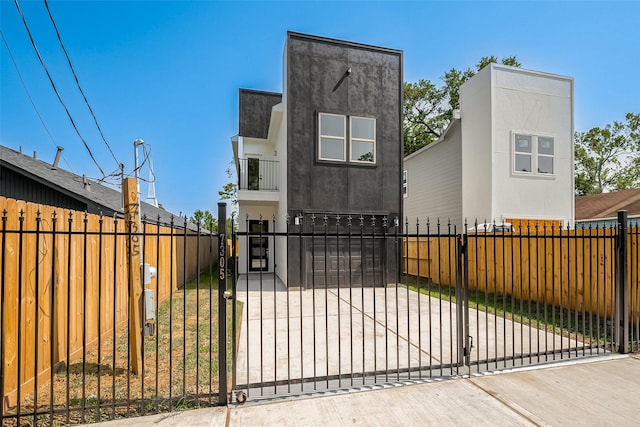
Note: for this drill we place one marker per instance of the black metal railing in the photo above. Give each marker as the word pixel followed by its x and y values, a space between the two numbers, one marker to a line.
pixel 258 175
pixel 358 302
pixel 339 301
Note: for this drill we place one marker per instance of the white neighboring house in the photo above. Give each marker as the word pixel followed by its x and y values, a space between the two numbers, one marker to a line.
pixel 507 156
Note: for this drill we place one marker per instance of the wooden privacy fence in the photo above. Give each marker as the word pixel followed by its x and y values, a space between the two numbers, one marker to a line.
pixel 573 269
pixel 64 284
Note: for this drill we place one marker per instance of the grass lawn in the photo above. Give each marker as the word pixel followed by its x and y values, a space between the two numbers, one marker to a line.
pixel 587 328
pixel 180 365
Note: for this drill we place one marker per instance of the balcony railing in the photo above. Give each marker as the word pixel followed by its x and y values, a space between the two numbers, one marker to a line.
pixel 258 175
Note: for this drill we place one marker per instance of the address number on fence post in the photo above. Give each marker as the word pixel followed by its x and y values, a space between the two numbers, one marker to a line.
pixel 222 257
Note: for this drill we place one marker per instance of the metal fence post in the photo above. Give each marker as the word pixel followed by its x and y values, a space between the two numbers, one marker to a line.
pixel 222 303
pixel 462 317
pixel 622 290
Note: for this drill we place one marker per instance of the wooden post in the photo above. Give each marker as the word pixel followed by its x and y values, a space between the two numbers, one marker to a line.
pixel 132 220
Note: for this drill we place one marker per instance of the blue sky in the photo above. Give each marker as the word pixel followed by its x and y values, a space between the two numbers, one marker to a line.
pixel 169 71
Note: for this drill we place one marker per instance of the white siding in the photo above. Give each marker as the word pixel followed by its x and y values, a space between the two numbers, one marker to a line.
pixel 254 204
pixel 434 183
pixel 476 120
pixel 280 140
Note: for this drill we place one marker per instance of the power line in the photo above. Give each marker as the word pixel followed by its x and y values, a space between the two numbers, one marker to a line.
pixel 55 89
pixel 24 85
pixel 86 101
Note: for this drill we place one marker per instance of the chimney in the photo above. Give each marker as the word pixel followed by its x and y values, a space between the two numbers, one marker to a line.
pixel 35 154
pixel 86 183
pixel 54 166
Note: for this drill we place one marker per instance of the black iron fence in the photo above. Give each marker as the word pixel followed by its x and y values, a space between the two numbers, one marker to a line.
pixel 458 303
pixel 66 314
pixel 342 302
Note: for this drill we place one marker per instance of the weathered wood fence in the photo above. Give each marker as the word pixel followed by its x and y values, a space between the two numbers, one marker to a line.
pixel 64 284
pixel 574 269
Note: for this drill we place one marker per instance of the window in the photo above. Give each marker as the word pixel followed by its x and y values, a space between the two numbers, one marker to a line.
pixel 545 155
pixel 523 153
pixel 533 154
pixel 332 138
pixel 404 183
pixel 363 139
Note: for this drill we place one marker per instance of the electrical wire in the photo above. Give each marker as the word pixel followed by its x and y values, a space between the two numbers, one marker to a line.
pixel 75 76
pixel 24 85
pixel 55 89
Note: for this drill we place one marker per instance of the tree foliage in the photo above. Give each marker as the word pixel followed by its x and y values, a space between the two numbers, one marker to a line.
pixel 608 159
pixel 230 189
pixel 205 219
pixel 428 108
pixel 208 222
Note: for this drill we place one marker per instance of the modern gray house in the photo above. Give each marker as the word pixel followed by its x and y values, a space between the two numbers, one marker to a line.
pixel 320 156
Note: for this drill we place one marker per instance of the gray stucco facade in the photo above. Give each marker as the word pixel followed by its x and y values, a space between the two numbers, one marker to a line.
pixel 359 87
pixel 352 80
pixel 316 81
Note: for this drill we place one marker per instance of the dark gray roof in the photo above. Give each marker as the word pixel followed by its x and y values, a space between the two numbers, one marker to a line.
pixel 108 200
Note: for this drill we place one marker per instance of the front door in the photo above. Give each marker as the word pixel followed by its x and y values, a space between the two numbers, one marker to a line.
pixel 254 174
pixel 258 245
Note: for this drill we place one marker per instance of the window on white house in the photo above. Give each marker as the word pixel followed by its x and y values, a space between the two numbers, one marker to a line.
pixel 523 153
pixel 332 141
pixel 533 154
pixel 545 155
pixel 363 139
pixel 404 183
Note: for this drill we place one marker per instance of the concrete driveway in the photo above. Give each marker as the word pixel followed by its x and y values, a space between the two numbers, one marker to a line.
pixel 307 340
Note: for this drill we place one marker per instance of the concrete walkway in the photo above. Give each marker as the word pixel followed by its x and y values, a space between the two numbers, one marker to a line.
pixel 589 392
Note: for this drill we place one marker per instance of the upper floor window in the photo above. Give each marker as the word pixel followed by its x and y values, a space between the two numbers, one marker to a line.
pixel 333 144
pixel 332 137
pixel 363 139
pixel 533 154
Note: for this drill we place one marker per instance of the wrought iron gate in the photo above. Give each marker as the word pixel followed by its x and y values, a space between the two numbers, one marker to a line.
pixel 460 303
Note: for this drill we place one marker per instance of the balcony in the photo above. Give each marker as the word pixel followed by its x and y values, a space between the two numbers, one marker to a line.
pixel 257 175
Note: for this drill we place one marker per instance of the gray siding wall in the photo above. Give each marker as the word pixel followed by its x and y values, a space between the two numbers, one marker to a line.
pixel 434 183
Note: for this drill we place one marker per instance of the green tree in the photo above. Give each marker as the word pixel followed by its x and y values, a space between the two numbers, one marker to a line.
pixel 428 108
pixel 608 159
pixel 208 222
pixel 230 189
pixel 205 219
